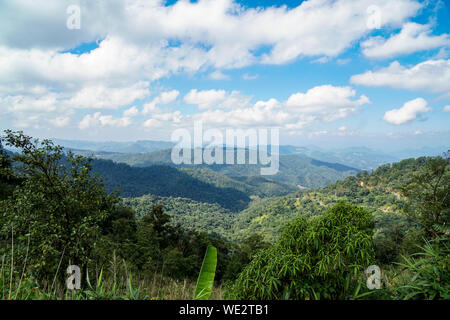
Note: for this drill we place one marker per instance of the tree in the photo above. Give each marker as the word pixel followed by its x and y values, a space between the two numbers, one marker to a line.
pixel 428 193
pixel 7 178
pixel 243 254
pixel 316 258
pixel 57 209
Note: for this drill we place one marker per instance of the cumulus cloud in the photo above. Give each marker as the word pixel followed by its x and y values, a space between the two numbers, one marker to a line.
pixel 60 122
pixel 430 75
pixel 137 36
pixel 322 103
pixel 218 75
pixel 204 99
pixel 131 112
pixel 98 120
pixel 102 97
pixel 327 102
pixel 153 123
pixel 163 98
pixel 142 41
pixel 408 112
pixel 446 108
pixel 413 37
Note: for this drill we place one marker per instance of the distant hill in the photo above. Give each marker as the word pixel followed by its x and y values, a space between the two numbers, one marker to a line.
pixel 377 191
pixel 114 146
pixel 357 157
pixel 363 158
pixel 294 170
pixel 165 181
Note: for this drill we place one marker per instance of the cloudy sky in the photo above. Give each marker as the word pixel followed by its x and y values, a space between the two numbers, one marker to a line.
pixel 329 73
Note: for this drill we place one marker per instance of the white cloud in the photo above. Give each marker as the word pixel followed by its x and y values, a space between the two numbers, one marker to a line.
pixel 413 37
pixel 320 104
pixel 168 96
pixel 38 74
pixel 327 102
pixel 218 75
pixel 60 122
pixel 153 123
pixel 98 120
pixel 204 99
pixel 430 75
pixel 131 112
pixel 207 99
pixel 321 60
pixel 408 112
pixel 446 108
pixel 174 117
pixel 247 76
pixel 163 98
pixel 217 33
pixel 102 97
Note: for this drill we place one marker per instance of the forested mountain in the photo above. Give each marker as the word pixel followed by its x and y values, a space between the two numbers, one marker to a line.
pixel 114 146
pixel 190 214
pixel 363 158
pixel 357 157
pixel 379 192
pixel 163 180
pixel 294 170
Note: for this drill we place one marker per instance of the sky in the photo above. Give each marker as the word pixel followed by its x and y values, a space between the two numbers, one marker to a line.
pixel 328 73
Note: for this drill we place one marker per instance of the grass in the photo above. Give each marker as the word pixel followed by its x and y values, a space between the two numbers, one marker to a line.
pixel 115 283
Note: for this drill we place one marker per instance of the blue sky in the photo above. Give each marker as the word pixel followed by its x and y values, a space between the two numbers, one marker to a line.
pixel 330 73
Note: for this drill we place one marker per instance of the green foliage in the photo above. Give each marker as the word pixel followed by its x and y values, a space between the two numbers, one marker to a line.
pixel 8 180
pixel 426 275
pixel 206 276
pixel 58 208
pixel 55 211
pixel 243 254
pixel 164 180
pixel 316 258
pixel 294 170
pixel 192 215
pixel 429 195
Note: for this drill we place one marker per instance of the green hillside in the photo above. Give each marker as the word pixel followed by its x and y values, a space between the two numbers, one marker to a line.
pixel 188 213
pixel 293 170
pixel 377 191
pixel 165 181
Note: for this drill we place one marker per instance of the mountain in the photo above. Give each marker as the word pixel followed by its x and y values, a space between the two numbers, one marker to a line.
pixel 377 191
pixel 294 170
pixel 419 152
pixel 358 157
pixel 165 181
pixel 362 158
pixel 191 214
pixel 115 146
